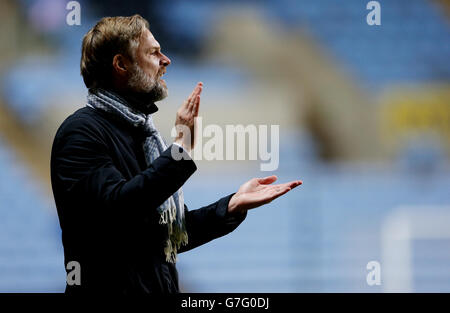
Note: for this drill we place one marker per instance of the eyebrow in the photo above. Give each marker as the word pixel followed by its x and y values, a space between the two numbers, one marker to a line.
pixel 154 48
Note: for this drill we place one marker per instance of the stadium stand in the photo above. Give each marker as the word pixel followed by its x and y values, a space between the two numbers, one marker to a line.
pixel 31 256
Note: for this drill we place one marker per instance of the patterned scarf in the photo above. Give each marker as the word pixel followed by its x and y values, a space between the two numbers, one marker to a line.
pixel 172 210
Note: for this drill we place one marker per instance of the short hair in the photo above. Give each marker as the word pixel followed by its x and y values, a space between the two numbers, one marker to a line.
pixel 110 36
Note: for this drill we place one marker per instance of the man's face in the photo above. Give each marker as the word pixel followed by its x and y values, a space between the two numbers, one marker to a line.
pixel 148 66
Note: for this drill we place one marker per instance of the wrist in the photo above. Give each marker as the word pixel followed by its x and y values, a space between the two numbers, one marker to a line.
pixel 233 204
pixel 180 142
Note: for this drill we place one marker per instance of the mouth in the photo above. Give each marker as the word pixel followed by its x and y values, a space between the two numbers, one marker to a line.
pixel 161 75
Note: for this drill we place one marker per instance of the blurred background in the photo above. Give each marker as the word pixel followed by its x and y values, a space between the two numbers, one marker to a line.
pixel 364 115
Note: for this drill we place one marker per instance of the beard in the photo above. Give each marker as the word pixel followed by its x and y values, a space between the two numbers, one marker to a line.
pixel 143 86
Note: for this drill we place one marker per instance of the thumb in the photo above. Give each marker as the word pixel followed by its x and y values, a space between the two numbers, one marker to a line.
pixel 267 180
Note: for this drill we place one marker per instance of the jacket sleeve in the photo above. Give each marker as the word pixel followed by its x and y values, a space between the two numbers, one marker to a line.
pixel 210 222
pixel 81 166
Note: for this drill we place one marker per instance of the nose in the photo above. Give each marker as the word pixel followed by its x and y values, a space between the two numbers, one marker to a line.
pixel 165 61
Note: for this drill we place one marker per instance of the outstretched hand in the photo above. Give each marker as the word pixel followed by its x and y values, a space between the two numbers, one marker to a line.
pixel 257 192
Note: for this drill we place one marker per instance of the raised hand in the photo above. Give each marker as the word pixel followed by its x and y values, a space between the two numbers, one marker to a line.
pixel 186 114
pixel 258 191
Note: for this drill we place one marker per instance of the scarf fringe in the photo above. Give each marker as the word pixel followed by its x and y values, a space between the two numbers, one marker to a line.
pixel 172 245
pixel 177 234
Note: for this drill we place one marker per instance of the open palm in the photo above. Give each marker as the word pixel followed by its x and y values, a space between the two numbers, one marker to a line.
pixel 259 191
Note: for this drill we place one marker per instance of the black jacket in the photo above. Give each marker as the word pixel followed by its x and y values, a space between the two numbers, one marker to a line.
pixel 107 198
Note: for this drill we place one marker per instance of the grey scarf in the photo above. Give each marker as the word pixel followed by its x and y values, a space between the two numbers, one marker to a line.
pixel 172 210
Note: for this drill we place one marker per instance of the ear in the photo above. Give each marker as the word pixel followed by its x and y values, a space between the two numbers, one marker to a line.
pixel 120 65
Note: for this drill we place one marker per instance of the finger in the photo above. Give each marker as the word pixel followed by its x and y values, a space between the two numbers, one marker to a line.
pixel 196 105
pixel 282 191
pixel 267 180
pixel 196 90
pixel 278 188
pixel 187 102
pixel 200 85
pixel 294 183
pixel 190 104
pixel 193 98
pixel 291 184
pixel 276 192
pixel 196 99
pixel 193 91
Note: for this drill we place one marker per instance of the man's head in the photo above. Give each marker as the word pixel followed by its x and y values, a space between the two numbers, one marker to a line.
pixel 121 53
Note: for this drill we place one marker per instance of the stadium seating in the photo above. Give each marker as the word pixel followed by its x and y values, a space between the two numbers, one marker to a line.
pixel 31 256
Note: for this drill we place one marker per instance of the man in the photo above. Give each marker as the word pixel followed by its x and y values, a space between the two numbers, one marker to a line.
pixel 117 185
